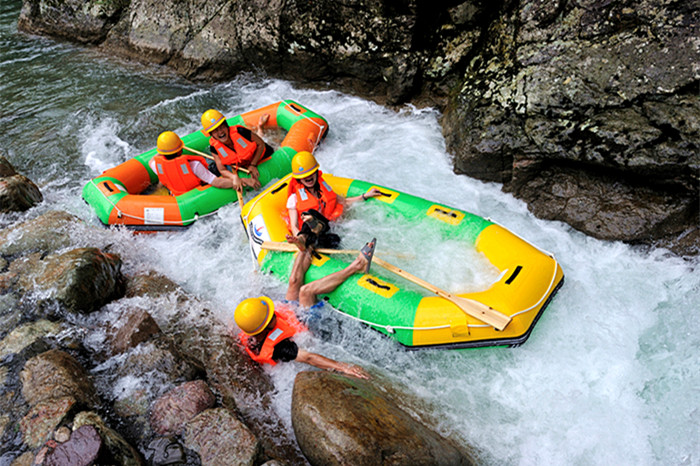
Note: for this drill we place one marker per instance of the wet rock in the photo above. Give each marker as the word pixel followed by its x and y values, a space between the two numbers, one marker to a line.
pixel 241 383
pixel 82 280
pixel 46 233
pixel 56 374
pixel 343 420
pixel 138 327
pixel 585 112
pixel 172 410
pixel 25 459
pixel 219 438
pixel 165 451
pixel 6 168
pixel 119 449
pixel 38 425
pixel 82 449
pixel 26 334
pixel 151 284
pixel 86 22
pixel 62 434
pixel 18 193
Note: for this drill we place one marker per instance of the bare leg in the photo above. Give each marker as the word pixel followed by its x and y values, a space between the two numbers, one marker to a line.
pixel 261 123
pixel 302 262
pixel 308 292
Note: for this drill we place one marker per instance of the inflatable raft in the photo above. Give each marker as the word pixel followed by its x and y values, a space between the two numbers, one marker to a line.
pixel 120 195
pixel 424 317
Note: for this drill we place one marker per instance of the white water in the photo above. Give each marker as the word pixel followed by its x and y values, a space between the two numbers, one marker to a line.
pixel 610 374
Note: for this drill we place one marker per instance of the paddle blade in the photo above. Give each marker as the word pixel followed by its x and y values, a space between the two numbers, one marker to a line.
pixel 484 313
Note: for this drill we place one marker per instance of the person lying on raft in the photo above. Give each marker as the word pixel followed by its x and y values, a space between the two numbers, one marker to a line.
pixel 312 204
pixel 268 328
pixel 179 172
pixel 236 147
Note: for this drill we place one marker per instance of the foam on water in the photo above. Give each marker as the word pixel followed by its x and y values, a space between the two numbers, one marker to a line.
pixel 610 374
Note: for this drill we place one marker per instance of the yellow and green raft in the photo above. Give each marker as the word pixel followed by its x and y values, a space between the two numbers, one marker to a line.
pixel 386 302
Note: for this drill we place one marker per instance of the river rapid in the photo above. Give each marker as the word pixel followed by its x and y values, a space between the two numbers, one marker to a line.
pixel 611 373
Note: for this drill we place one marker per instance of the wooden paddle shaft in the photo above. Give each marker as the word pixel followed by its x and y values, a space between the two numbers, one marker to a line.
pixel 473 308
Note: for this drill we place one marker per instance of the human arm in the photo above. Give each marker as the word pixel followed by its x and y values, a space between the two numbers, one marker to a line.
pixel 228 180
pixel 374 192
pixel 293 215
pixel 325 363
pixel 259 152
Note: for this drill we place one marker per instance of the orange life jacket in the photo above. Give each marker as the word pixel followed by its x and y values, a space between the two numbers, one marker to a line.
pixel 287 326
pixel 176 174
pixel 327 205
pixel 243 150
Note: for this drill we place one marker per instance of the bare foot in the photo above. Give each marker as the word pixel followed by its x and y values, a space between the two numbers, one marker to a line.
pixel 263 119
pixel 359 264
pixel 298 241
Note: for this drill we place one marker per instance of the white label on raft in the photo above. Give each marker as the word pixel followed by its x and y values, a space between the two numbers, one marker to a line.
pixel 257 230
pixel 153 215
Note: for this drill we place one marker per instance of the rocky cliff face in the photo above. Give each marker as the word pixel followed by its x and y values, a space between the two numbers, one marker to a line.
pixel 586 109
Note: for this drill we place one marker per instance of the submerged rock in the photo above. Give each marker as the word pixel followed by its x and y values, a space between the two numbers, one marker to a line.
pixel 172 410
pixel 138 327
pixel 219 438
pixel 343 420
pixel 45 234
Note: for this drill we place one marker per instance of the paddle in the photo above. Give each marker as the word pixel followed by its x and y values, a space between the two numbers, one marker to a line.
pixel 473 308
pixel 478 310
pixel 240 198
pixel 196 152
pixel 288 247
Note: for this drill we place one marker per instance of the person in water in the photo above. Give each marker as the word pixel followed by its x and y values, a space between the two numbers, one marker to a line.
pixel 268 328
pixel 179 172
pixel 236 147
pixel 312 204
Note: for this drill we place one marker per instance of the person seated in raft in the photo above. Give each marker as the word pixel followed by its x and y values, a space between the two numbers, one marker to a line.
pixel 181 173
pixel 312 204
pixel 268 328
pixel 236 147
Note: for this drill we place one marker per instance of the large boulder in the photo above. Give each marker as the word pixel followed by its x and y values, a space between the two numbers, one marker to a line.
pixel 81 280
pixel 84 21
pixel 342 420
pixel 589 112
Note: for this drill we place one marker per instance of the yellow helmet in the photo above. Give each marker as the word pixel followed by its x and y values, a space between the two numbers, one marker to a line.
pixel 211 119
pixel 169 143
pixel 304 164
pixel 253 314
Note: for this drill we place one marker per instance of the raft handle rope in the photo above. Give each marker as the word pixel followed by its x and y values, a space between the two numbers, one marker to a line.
pixel 121 214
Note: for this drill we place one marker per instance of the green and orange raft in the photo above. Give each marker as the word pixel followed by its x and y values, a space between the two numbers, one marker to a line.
pixel 124 195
